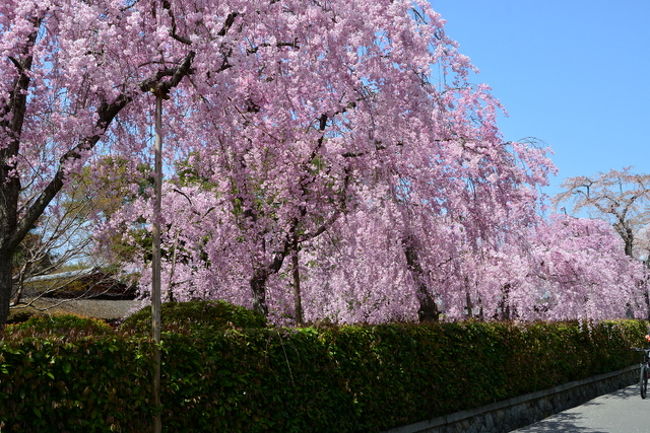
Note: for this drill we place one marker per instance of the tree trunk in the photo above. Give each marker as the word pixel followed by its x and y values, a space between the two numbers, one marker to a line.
pixel 297 296
pixel 11 126
pixel 261 275
pixel 9 188
pixel 468 304
pixel 629 244
pixel 5 287
pixel 428 310
pixel 258 287
pixel 295 270
pixel 504 304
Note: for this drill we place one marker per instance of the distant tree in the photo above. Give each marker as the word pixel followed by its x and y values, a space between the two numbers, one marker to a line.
pixel 620 197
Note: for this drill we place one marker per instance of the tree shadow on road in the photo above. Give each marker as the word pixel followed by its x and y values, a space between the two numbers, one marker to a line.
pixel 560 423
pixel 568 421
pixel 628 393
pixel 625 393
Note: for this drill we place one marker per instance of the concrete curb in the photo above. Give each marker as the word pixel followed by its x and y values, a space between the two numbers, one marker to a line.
pixel 569 395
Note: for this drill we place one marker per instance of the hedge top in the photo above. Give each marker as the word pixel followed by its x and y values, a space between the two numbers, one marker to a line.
pixel 195 316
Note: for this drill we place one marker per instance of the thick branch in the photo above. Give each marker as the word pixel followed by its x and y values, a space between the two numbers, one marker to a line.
pixel 18 98
pixel 161 87
pixel 173 31
pixel 107 113
pixel 230 20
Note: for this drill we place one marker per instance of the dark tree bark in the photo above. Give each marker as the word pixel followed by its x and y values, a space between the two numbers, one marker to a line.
pixel 428 310
pixel 5 286
pixel 258 287
pixel 628 238
pixel 297 296
pixel 504 305
pixel 12 124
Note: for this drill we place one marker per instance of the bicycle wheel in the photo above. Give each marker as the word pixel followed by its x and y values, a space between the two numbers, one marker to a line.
pixel 643 380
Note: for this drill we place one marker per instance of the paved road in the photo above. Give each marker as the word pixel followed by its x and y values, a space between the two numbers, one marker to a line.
pixel 622 411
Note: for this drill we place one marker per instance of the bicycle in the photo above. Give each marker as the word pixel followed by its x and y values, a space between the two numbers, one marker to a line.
pixel 644 372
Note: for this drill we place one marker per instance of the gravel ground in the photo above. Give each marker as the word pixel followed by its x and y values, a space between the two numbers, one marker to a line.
pixel 100 308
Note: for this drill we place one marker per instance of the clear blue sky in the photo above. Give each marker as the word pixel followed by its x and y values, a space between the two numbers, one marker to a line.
pixel 573 73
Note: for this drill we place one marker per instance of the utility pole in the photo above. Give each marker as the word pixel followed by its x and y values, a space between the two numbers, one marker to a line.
pixel 155 277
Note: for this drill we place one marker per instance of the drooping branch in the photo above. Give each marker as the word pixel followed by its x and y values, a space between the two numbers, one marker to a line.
pixel 107 113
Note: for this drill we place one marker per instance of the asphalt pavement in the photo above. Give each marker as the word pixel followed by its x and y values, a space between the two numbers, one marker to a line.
pixel 622 411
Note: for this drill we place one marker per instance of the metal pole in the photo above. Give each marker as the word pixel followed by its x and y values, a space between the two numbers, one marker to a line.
pixel 155 277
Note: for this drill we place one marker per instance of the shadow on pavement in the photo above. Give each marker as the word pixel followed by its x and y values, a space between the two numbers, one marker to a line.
pixel 560 423
pixel 625 393
pixel 631 392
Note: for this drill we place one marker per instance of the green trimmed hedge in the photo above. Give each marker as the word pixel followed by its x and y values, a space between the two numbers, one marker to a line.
pixel 338 379
pixel 87 384
pixel 59 325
